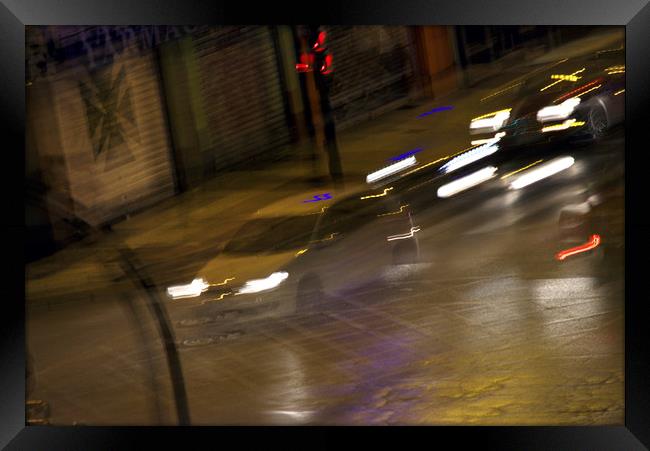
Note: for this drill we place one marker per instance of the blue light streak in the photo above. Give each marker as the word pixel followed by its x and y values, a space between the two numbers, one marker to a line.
pixel 317 198
pixel 406 154
pixel 436 110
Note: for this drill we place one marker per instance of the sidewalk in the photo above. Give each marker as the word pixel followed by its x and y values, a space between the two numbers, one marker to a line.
pixel 196 222
pixel 202 218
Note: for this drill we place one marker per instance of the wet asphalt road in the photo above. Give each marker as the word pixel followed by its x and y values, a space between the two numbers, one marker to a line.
pixel 488 329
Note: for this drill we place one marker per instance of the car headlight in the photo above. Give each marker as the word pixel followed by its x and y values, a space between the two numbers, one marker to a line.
pixel 561 111
pixel 191 290
pixel 257 285
pixel 489 122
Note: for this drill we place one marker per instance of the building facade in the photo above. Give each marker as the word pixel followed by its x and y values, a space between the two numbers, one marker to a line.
pixel 120 118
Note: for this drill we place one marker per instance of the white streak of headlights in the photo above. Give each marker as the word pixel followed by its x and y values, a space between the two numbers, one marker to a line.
pixel 493 123
pixel 191 290
pixel 541 172
pixel 470 157
pixel 494 139
pixel 404 235
pixel 390 170
pixel 466 182
pixel 257 285
pixel 561 111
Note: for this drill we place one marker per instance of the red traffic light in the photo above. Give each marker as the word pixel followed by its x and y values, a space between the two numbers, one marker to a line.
pixel 327 67
pixel 319 45
pixel 306 63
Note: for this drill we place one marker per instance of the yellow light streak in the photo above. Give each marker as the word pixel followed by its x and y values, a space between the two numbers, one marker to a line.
pixel 502 90
pixel 619 92
pixel 220 298
pixel 555 64
pixel 563 126
pixel 301 251
pixel 494 113
pixel 439 160
pixel 588 90
pixel 563 77
pixel 520 169
pixel 401 210
pixel 536 71
pixel 377 195
pixel 221 283
pixel 548 86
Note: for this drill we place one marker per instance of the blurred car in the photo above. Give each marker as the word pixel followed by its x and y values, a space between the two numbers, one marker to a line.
pixel 295 254
pixel 577 99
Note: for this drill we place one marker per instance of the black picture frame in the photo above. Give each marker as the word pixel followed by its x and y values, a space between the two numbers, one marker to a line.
pixel 633 14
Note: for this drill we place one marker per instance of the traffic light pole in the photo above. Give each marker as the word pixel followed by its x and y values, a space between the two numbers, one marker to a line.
pixel 335 168
pixel 310 106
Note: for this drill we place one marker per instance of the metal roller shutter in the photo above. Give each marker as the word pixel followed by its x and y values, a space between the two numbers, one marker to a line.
pixel 242 95
pixel 373 69
pixel 113 136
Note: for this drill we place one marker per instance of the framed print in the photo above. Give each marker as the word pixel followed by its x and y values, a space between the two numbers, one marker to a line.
pixel 238 219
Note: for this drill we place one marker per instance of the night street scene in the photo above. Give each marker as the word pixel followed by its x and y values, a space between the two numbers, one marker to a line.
pixel 325 225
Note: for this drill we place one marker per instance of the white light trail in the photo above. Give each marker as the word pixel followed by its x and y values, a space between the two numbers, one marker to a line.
pixel 469 157
pixel 466 182
pixel 403 236
pixel 494 139
pixel 542 171
pixel 392 169
pixel 257 285
pixel 561 111
pixel 191 290
pixel 491 121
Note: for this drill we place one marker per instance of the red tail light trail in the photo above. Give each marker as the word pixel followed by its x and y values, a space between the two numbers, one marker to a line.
pixel 593 242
